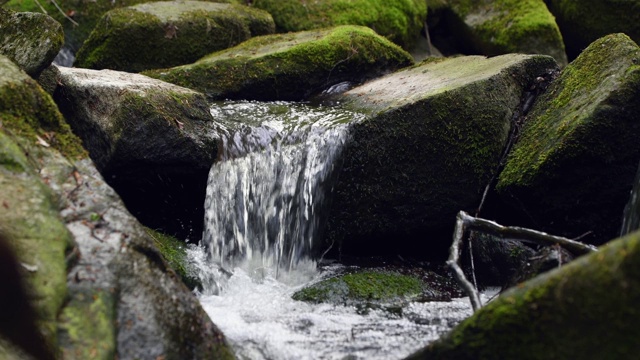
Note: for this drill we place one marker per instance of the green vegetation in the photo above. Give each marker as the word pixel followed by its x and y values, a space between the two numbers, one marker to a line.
pixel 398 20
pixel 165 34
pixel 31 40
pixel 579 142
pixel 87 326
pixel 29 112
pixel 368 285
pixel 289 66
pixel 584 310
pixel 174 252
pixel 510 26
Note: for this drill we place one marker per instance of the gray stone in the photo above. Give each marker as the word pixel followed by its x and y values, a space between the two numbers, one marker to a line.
pixel 31 40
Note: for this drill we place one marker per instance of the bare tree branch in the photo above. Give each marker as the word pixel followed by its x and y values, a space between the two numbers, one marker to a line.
pixel 465 222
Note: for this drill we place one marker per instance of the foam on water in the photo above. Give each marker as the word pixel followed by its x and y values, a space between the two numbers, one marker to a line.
pixel 256 313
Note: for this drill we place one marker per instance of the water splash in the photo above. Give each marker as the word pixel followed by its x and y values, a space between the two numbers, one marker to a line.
pixel 266 198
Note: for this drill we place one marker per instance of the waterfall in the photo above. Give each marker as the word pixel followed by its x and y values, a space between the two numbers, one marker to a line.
pixel 631 217
pixel 266 197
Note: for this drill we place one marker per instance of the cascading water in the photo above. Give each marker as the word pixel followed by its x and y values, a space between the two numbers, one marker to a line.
pixel 265 199
pixel 265 204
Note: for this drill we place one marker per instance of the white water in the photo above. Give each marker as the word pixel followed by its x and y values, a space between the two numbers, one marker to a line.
pixel 264 200
pixel 264 208
pixel 261 321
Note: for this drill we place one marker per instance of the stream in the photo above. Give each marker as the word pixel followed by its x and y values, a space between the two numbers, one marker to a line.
pixel 266 202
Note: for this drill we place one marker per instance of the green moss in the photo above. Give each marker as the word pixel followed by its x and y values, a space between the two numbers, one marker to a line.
pixel 31 40
pixel 86 14
pixel 87 326
pixel 366 285
pixel 584 310
pixel 585 21
pixel 174 252
pixel 579 143
pixel 511 26
pixel 29 112
pixel 32 224
pixel 398 20
pixel 290 66
pixel 165 34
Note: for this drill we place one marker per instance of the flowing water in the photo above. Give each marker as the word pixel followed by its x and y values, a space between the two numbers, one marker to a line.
pixel 631 216
pixel 265 206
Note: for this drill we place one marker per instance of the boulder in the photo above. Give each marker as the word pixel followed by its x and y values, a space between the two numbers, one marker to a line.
pixel 502 26
pixel 585 310
pixel 585 21
pixel 573 166
pixel 290 66
pixel 429 146
pixel 30 40
pixel 398 20
pixel 154 142
pixel 78 17
pixel 100 286
pixel 168 33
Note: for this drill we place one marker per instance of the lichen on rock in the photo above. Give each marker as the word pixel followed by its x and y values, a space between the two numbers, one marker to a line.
pixel 290 66
pixel 30 40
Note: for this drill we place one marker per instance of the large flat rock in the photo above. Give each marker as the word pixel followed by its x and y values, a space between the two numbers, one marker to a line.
pixel 429 147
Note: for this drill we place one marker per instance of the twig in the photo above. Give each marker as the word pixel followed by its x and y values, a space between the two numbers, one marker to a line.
pixel 63 13
pixel 465 223
pixel 454 258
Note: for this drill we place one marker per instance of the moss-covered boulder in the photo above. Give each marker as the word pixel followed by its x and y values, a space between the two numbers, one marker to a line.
pixel 582 22
pixel 398 20
pixel 78 17
pixel 31 222
pixel 587 309
pixel 430 144
pixel 290 66
pixel 362 286
pixel 505 26
pixel 100 286
pixel 31 40
pixel 574 164
pixel 153 141
pixel 168 33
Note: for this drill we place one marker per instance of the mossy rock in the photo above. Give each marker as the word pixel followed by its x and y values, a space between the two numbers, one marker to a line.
pixel 574 164
pixel 585 21
pixel 30 40
pixel 584 310
pixel 168 33
pixel 429 146
pixel 290 66
pixel 84 15
pixel 398 20
pixel 31 223
pixel 362 286
pixel 174 252
pixel 506 26
pixel 128 120
pixel 29 112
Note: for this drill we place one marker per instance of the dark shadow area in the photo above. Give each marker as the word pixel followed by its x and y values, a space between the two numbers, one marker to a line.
pixel 169 199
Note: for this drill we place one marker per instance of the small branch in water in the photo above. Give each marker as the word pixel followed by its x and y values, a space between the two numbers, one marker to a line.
pixel 465 222
pixel 63 13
